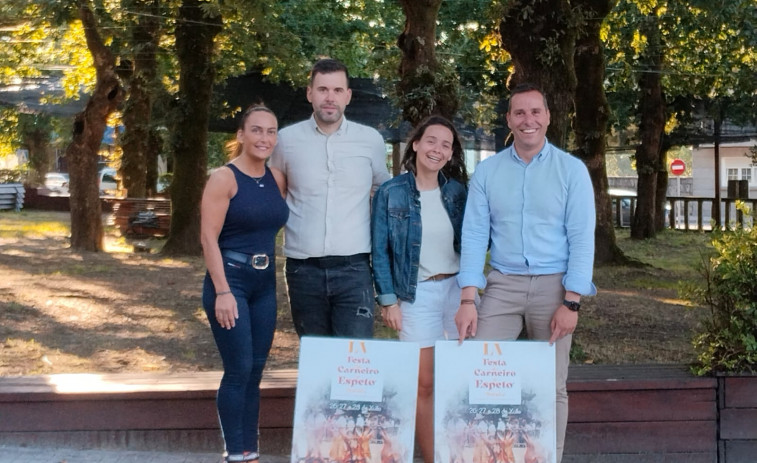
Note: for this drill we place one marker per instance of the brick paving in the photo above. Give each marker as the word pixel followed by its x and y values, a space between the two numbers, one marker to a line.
pixel 11 454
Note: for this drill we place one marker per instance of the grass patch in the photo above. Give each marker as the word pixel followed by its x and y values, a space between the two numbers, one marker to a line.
pixel 34 224
pixel 638 315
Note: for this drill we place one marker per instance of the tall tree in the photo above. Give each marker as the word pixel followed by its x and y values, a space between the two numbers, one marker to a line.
pixel 592 119
pixel 540 38
pixel 88 130
pixel 426 87
pixel 651 127
pixel 137 112
pixel 35 131
pixel 663 52
pixel 196 30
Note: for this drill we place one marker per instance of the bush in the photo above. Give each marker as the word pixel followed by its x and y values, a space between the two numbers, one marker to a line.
pixel 11 175
pixel 726 342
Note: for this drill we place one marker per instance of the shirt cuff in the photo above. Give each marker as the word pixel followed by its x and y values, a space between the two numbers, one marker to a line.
pixel 584 289
pixel 386 299
pixel 471 279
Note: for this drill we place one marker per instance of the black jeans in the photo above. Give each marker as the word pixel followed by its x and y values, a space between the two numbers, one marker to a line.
pixel 331 296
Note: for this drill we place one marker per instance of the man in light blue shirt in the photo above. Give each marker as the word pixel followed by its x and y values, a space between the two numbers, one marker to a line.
pixel 534 205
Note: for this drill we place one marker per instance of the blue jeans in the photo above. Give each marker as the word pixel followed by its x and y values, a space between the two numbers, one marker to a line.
pixel 244 350
pixel 331 296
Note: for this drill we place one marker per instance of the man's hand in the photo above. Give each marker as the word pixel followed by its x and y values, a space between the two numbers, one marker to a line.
pixel 563 323
pixel 466 321
pixel 466 318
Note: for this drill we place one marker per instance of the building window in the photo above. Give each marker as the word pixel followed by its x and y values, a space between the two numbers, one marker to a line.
pixel 746 174
pixel 733 174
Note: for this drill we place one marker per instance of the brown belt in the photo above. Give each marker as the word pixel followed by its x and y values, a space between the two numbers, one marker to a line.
pixel 440 276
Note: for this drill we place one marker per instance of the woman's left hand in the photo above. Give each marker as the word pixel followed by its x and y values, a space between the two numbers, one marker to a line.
pixel 392 316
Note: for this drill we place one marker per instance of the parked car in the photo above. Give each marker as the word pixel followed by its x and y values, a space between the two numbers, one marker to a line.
pixel 108 182
pixel 627 201
pixel 57 183
pixel 622 197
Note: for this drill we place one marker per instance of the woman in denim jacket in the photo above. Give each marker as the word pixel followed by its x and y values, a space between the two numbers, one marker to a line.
pixel 416 223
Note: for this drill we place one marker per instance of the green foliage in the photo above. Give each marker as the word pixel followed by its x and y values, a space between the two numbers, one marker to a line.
pixel 708 52
pixel 11 175
pixel 726 341
pixel 217 152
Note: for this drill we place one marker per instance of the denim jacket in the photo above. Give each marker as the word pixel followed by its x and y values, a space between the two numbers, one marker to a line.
pixel 396 233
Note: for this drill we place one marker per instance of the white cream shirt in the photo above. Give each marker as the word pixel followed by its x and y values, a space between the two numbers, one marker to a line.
pixel 329 183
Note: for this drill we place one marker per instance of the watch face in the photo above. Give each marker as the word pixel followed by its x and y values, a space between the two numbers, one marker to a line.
pixel 572 305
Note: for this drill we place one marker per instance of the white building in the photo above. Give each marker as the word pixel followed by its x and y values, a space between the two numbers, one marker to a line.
pixel 735 164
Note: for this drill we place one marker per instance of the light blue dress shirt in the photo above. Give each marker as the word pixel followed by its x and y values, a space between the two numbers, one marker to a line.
pixel 539 218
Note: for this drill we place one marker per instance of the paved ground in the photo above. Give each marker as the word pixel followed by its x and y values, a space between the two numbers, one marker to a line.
pixel 9 454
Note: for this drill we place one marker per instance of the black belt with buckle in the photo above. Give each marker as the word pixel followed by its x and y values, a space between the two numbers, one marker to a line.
pixel 333 261
pixel 256 261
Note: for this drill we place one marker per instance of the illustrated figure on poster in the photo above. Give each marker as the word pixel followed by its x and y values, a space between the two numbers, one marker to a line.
pixel 317 432
pixel 363 436
pixel 482 444
pixel 391 450
pixel 507 440
pixel 535 453
pixel 340 449
pixel 456 437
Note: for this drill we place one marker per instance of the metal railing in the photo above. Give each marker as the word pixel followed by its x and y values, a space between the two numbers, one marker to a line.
pixel 688 213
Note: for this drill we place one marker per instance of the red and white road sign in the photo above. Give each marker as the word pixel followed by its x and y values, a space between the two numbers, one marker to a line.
pixel 677 167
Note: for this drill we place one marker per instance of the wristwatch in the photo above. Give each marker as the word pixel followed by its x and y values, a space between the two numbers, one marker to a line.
pixel 572 305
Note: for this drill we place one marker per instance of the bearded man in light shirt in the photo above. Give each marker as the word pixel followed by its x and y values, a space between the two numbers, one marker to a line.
pixel 534 204
pixel 331 165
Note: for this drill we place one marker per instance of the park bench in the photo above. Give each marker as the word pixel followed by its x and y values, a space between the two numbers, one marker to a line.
pixel 142 216
pixel 11 196
pixel 618 413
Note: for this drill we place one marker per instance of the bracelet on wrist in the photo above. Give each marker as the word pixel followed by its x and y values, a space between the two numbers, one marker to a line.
pixel 467 301
pixel 223 293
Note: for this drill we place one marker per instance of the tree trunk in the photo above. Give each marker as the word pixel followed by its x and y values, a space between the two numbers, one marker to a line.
pixel 716 131
pixel 661 194
pixel 154 145
pixel 138 108
pixel 590 123
pixel 82 153
pixel 37 141
pixel 651 127
pixel 424 87
pixel 195 35
pixel 540 39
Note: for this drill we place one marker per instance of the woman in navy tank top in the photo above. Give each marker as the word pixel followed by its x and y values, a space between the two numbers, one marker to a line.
pixel 242 209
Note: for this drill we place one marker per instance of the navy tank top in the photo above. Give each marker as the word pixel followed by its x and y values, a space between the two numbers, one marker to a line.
pixel 256 214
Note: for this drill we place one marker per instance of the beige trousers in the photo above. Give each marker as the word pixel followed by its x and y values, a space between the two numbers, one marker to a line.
pixel 509 302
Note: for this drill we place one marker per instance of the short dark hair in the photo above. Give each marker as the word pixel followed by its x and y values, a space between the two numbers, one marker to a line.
pixel 455 167
pixel 528 87
pixel 328 66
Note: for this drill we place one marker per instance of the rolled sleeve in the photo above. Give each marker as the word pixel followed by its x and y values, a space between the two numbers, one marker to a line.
pixel 475 235
pixel 580 223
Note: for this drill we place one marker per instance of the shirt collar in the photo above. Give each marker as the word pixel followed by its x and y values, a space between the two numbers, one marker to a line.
pixel 540 156
pixel 342 127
